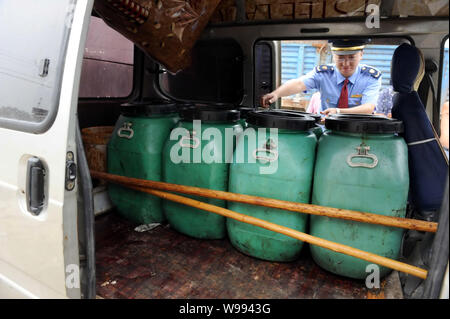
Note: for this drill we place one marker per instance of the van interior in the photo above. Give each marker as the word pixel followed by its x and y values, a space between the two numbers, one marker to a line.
pixel 236 62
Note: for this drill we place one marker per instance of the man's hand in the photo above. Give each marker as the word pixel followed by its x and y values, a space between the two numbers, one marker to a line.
pixel 268 99
pixel 331 110
pixel 290 87
pixel 366 108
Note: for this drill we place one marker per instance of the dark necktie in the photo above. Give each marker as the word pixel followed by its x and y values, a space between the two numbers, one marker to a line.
pixel 343 99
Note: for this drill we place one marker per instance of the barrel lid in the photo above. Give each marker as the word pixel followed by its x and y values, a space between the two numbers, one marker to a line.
pixel 148 108
pixel 244 110
pixel 315 116
pixel 184 105
pixel 281 120
pixel 363 123
pixel 210 113
pixel 216 105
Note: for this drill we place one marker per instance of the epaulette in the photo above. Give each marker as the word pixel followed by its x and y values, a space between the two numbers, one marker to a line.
pixel 372 71
pixel 324 68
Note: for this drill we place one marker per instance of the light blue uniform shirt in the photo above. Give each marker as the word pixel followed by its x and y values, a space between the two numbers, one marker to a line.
pixel 363 86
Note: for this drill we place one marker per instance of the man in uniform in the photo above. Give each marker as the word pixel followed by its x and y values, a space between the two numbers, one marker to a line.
pixel 345 87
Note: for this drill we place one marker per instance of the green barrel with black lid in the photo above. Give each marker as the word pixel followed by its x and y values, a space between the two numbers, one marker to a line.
pixel 361 165
pixel 275 161
pixel 135 150
pixel 198 153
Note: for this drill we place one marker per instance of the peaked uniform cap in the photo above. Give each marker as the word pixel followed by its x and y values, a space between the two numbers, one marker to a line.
pixel 347 46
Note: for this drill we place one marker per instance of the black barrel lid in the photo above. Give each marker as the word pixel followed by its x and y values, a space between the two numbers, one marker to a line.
pixel 281 120
pixel 209 113
pixel 315 116
pixel 184 105
pixel 217 105
pixel 247 109
pixel 148 108
pixel 363 123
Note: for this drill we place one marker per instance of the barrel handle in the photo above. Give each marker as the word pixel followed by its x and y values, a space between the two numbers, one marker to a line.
pixel 191 137
pixel 126 127
pixel 269 147
pixel 363 151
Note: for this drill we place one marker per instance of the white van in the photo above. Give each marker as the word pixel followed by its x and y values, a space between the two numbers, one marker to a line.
pixel 63 69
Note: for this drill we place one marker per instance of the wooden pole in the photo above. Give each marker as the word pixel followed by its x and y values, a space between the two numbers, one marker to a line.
pixel 370 218
pixel 343 249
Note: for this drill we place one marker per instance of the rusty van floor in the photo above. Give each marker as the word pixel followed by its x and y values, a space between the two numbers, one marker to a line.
pixel 162 263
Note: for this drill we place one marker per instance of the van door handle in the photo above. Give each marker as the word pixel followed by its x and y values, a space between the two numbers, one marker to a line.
pixel 35 194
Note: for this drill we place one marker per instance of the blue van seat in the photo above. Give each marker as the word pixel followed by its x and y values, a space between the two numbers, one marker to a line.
pixel 427 164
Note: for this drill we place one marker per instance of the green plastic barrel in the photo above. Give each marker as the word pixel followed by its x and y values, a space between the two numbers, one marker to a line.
pixel 135 150
pixel 362 165
pixel 277 164
pixel 198 153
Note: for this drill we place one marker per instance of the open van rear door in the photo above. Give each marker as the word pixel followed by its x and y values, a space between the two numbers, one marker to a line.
pixel 41 50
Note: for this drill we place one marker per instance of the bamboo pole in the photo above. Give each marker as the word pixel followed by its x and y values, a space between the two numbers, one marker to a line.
pixel 370 218
pixel 339 248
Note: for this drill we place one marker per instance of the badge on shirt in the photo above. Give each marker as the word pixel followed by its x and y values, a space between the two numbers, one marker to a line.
pixel 356 95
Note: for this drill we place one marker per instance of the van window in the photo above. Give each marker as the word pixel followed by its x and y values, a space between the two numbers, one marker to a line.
pixel 31 61
pixel 445 76
pixel 107 64
pixel 298 57
pixel 444 100
pixel 215 74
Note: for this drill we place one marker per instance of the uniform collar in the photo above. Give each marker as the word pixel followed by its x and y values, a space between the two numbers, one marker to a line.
pixel 340 78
